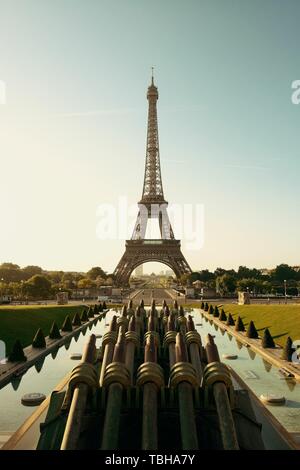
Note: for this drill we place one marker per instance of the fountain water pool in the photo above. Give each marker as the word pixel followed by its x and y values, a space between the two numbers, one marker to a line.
pixel 259 375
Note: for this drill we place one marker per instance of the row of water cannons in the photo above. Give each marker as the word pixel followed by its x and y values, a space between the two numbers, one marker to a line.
pixel 158 355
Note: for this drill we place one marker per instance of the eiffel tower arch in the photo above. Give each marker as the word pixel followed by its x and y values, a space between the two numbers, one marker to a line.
pixel 152 205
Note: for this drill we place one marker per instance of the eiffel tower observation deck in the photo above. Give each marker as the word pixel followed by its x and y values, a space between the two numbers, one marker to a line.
pixel 152 205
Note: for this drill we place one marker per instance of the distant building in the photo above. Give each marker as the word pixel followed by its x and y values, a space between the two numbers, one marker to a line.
pixel 139 271
pixel 190 292
pixel 198 285
pixel 203 291
pixel 265 271
pixel 169 272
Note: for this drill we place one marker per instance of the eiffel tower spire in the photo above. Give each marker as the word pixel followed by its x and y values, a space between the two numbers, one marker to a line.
pixel 153 188
pixel 153 204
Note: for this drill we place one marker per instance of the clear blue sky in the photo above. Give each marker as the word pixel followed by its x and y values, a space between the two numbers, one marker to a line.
pixel 73 130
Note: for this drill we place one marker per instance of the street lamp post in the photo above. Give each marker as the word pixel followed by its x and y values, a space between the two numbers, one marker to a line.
pixel 2 280
pixel 285 291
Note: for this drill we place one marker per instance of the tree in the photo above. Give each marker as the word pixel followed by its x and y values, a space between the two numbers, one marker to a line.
pixel 205 275
pixel 90 312
pixel 67 324
pixel 100 281
pixel 244 272
pixel 13 289
pixel 219 272
pixel 216 312
pixel 251 331
pixel 55 276
pixel 85 283
pixel 10 272
pixel 67 285
pixel 284 272
pixel 9 266
pixel 267 340
pixel 230 320
pixel 226 284
pixel 288 349
pixel 266 287
pixel 96 309
pixel 185 279
pixel 93 273
pixel 76 320
pixel 54 332
pixel 223 316
pixel 3 288
pixel 244 284
pixel 239 325
pixel 194 276
pixel 109 281
pixel 30 271
pixel 37 287
pixel 39 339
pixel 84 317
pixel 17 353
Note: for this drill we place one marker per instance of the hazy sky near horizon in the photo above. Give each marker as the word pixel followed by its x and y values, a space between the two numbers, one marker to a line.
pixel 73 129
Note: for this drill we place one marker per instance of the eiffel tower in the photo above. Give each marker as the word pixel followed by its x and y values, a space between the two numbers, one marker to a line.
pixel 152 205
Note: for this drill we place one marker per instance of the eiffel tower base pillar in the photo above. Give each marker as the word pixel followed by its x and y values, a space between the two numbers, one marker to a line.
pixel 138 252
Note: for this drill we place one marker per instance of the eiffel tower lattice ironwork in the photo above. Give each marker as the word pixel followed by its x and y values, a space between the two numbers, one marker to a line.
pixel 153 205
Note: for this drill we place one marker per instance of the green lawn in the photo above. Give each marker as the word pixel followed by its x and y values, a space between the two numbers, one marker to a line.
pixel 282 320
pixel 21 322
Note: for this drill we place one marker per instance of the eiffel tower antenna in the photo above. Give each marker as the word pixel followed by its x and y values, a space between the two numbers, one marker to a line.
pixel 153 188
pixel 152 205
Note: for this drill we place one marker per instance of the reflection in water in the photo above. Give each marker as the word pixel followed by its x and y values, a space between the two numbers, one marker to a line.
pixel 251 353
pixel 239 344
pixel 254 372
pixel 67 344
pixel 249 374
pixel 57 364
pixel 291 384
pixel 54 352
pixel 39 365
pixel 216 326
pixel 15 382
pixel 90 326
pixel 76 336
pixel 268 365
pixel 83 331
